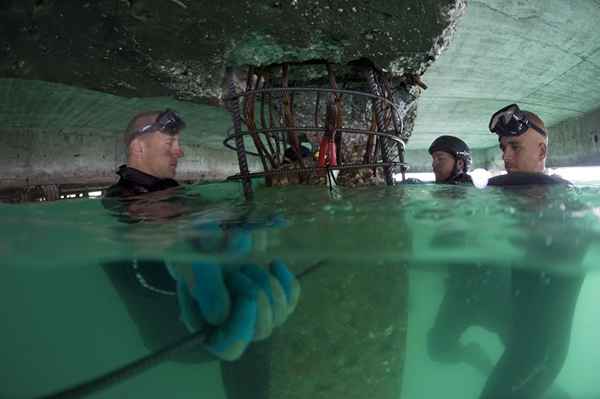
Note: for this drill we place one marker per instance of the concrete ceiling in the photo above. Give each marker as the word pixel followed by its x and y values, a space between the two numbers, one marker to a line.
pixel 542 54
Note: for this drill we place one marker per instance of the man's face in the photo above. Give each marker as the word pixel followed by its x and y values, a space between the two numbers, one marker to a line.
pixel 524 153
pixel 443 165
pixel 160 154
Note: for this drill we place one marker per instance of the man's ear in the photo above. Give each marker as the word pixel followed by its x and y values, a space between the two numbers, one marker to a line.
pixel 136 147
pixel 460 164
pixel 543 148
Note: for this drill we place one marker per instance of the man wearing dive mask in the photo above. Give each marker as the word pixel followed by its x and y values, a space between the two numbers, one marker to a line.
pixel 531 313
pixel 236 305
pixel 538 333
pixel 523 139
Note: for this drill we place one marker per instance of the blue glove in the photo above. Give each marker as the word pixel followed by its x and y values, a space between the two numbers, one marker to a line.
pixel 237 307
pixel 212 237
pixel 210 234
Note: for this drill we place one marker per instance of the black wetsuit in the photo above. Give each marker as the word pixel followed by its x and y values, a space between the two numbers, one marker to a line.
pixel 145 285
pixel 135 182
pixel 537 340
pixel 531 313
pixel 149 292
pixel 469 292
pixel 461 178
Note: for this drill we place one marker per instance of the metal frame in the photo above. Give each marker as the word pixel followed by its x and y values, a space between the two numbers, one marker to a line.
pixel 274 136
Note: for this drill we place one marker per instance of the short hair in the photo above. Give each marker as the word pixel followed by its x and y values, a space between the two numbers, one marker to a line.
pixel 536 120
pixel 136 123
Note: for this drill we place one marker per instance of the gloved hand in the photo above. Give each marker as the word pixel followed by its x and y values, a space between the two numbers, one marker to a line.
pixel 236 307
pixel 216 234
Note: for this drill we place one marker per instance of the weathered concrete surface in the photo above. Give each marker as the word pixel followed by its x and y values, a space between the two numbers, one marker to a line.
pixel 576 141
pixel 542 54
pixel 347 339
pixel 156 47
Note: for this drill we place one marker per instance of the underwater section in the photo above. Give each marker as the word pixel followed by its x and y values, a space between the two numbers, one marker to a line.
pixel 381 270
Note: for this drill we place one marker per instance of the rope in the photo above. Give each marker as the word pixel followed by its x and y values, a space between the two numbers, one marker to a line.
pixel 138 366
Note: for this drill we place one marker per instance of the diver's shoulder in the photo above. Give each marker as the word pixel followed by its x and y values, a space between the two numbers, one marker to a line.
pixel 412 180
pixel 116 190
pixel 463 179
pixel 527 178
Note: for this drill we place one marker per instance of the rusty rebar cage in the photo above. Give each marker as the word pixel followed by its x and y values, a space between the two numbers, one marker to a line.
pixel 277 136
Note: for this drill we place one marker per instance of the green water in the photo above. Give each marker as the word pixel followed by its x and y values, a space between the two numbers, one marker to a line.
pixel 364 316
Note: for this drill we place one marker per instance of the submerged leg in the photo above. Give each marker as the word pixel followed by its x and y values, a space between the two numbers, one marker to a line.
pixel 249 376
pixel 539 339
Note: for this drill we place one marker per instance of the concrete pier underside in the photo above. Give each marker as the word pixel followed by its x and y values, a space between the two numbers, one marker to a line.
pixel 543 55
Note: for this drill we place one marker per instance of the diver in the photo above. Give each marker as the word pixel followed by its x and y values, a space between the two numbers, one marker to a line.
pixel 237 306
pixel 470 291
pixel 537 338
pixel 451 159
pixel 531 313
